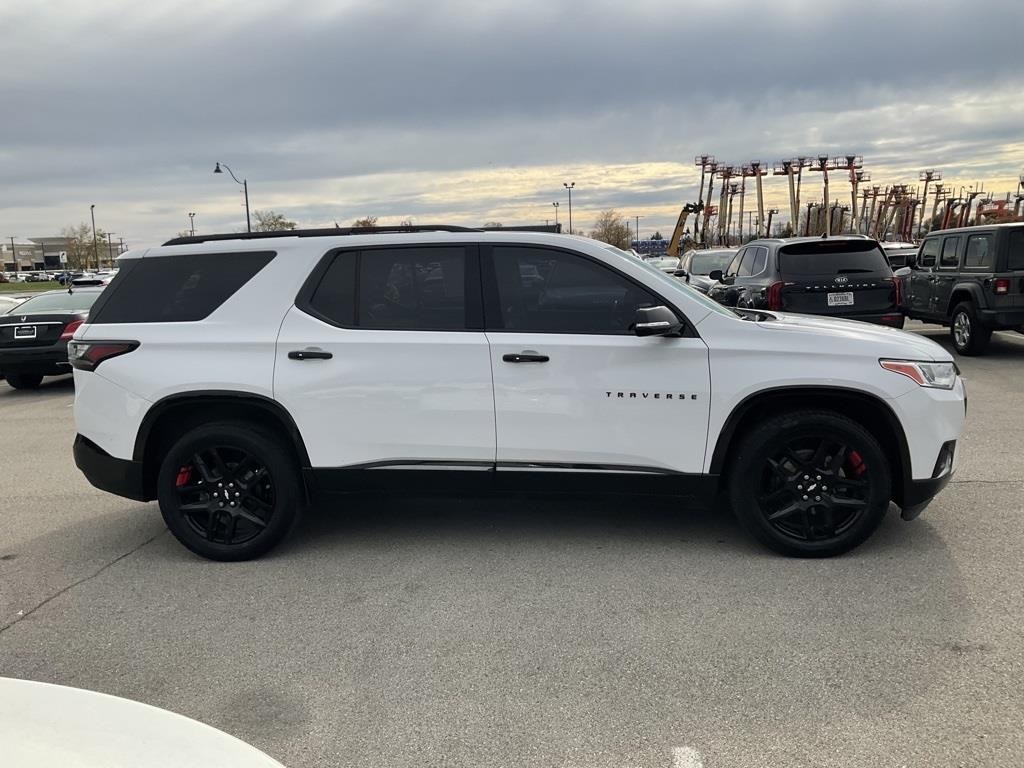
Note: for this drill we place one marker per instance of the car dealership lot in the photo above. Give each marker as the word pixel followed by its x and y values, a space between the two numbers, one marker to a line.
pixel 514 631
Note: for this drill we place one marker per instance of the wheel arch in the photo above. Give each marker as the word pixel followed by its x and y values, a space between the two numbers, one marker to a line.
pixel 174 415
pixel 964 291
pixel 862 407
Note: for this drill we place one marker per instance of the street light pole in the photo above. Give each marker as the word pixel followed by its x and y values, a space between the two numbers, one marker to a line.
pixel 95 247
pixel 192 224
pixel 110 249
pixel 569 186
pixel 638 229
pixel 556 206
pixel 14 256
pixel 245 186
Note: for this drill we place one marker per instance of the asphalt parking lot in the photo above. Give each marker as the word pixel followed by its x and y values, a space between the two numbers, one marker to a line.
pixel 519 632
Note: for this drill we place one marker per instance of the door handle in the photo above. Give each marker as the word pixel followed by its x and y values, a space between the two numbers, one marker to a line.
pixel 309 354
pixel 525 357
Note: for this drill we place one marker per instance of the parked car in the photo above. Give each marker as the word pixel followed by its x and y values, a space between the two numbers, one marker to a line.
pixel 96 278
pixel 669 264
pixel 970 279
pixel 234 377
pixel 897 253
pixel 34 335
pixel 847 277
pixel 700 263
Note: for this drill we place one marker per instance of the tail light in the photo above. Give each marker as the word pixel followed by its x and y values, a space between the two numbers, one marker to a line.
pixel 897 284
pixel 69 330
pixel 774 295
pixel 1001 287
pixel 87 355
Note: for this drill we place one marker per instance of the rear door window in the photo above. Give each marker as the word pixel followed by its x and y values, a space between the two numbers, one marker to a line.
pixel 833 257
pixel 979 252
pixel 950 257
pixel 176 289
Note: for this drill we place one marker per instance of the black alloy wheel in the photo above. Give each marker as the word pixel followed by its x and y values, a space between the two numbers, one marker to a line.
pixel 25 380
pixel 810 483
pixel 228 492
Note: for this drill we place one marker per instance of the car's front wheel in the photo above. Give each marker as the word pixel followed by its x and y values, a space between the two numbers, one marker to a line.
pixel 228 491
pixel 24 380
pixel 969 336
pixel 809 483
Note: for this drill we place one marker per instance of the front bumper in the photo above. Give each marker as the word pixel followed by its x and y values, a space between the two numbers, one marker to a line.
pixel 118 476
pixel 46 360
pixel 918 494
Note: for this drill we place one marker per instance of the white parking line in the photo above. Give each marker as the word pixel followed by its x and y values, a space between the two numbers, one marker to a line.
pixel 686 757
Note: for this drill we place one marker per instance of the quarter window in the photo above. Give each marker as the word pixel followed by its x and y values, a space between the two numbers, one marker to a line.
pixel 1015 257
pixel 979 252
pixel 950 252
pixel 548 291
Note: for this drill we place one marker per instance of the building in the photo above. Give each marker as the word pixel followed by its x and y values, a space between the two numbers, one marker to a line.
pixel 21 256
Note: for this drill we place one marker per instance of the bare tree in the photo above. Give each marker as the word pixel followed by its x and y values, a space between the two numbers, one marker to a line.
pixel 81 247
pixel 271 221
pixel 493 225
pixel 611 228
pixel 367 222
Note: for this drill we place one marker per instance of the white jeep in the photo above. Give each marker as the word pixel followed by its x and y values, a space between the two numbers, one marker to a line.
pixel 237 378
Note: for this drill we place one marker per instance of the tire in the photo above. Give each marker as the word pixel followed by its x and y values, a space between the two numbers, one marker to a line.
pixel 776 493
pixel 969 336
pixel 25 380
pixel 251 469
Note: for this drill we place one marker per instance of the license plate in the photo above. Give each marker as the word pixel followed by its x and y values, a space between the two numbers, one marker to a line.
pixel 24 331
pixel 840 299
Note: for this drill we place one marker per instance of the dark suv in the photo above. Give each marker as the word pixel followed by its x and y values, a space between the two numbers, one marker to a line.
pixel 972 280
pixel 847 277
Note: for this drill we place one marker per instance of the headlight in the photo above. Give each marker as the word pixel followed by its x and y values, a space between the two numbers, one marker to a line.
pixel 934 375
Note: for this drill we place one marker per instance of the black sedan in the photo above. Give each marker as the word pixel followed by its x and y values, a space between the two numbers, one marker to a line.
pixel 34 335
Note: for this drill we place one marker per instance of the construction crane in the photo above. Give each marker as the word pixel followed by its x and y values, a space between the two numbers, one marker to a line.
pixel 680 230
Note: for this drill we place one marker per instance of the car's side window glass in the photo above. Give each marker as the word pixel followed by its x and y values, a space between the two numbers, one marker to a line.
pixel 979 252
pixel 760 257
pixel 395 289
pixel 950 252
pixel 929 252
pixel 746 263
pixel 733 269
pixel 1015 249
pixel 542 290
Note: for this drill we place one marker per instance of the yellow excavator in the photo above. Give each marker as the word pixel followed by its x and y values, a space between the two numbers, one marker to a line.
pixel 677 233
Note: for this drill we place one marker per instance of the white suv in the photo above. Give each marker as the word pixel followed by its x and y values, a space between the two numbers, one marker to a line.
pixel 237 378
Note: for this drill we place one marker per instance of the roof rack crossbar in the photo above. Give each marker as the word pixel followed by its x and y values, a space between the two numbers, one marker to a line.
pixel 325 232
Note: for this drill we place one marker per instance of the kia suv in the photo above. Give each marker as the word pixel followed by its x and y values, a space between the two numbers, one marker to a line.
pixel 237 378
pixel 846 277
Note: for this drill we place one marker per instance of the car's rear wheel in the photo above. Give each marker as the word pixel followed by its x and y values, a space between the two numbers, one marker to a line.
pixel 810 483
pixel 25 380
pixel 228 491
pixel 969 336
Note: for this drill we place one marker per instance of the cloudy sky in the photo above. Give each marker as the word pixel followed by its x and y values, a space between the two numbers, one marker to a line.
pixel 466 112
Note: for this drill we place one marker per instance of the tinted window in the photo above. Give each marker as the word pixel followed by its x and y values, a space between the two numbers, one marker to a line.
pixel 548 291
pixel 412 289
pixel 833 257
pixel 734 265
pixel 1015 257
pixel 172 289
pixel 929 252
pixel 746 268
pixel 335 296
pixel 979 251
pixel 950 257
pixel 57 303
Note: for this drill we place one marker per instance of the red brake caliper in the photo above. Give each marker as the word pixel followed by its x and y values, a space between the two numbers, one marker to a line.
pixel 183 476
pixel 857 463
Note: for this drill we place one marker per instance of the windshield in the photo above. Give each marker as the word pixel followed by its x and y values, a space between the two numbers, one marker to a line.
pixel 706 263
pixel 833 257
pixel 677 285
pixel 57 303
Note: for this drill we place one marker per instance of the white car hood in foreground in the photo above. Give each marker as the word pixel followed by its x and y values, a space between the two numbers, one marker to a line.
pixel 50 726
pixel 887 342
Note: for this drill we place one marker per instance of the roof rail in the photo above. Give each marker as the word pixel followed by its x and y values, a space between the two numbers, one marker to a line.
pixel 325 232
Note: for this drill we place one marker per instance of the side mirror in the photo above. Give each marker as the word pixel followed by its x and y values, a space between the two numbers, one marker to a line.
pixel 716 275
pixel 902 272
pixel 682 273
pixel 656 321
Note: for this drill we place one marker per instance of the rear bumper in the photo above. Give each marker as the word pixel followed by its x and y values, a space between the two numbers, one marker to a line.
pixel 118 476
pixel 52 359
pixel 1001 318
